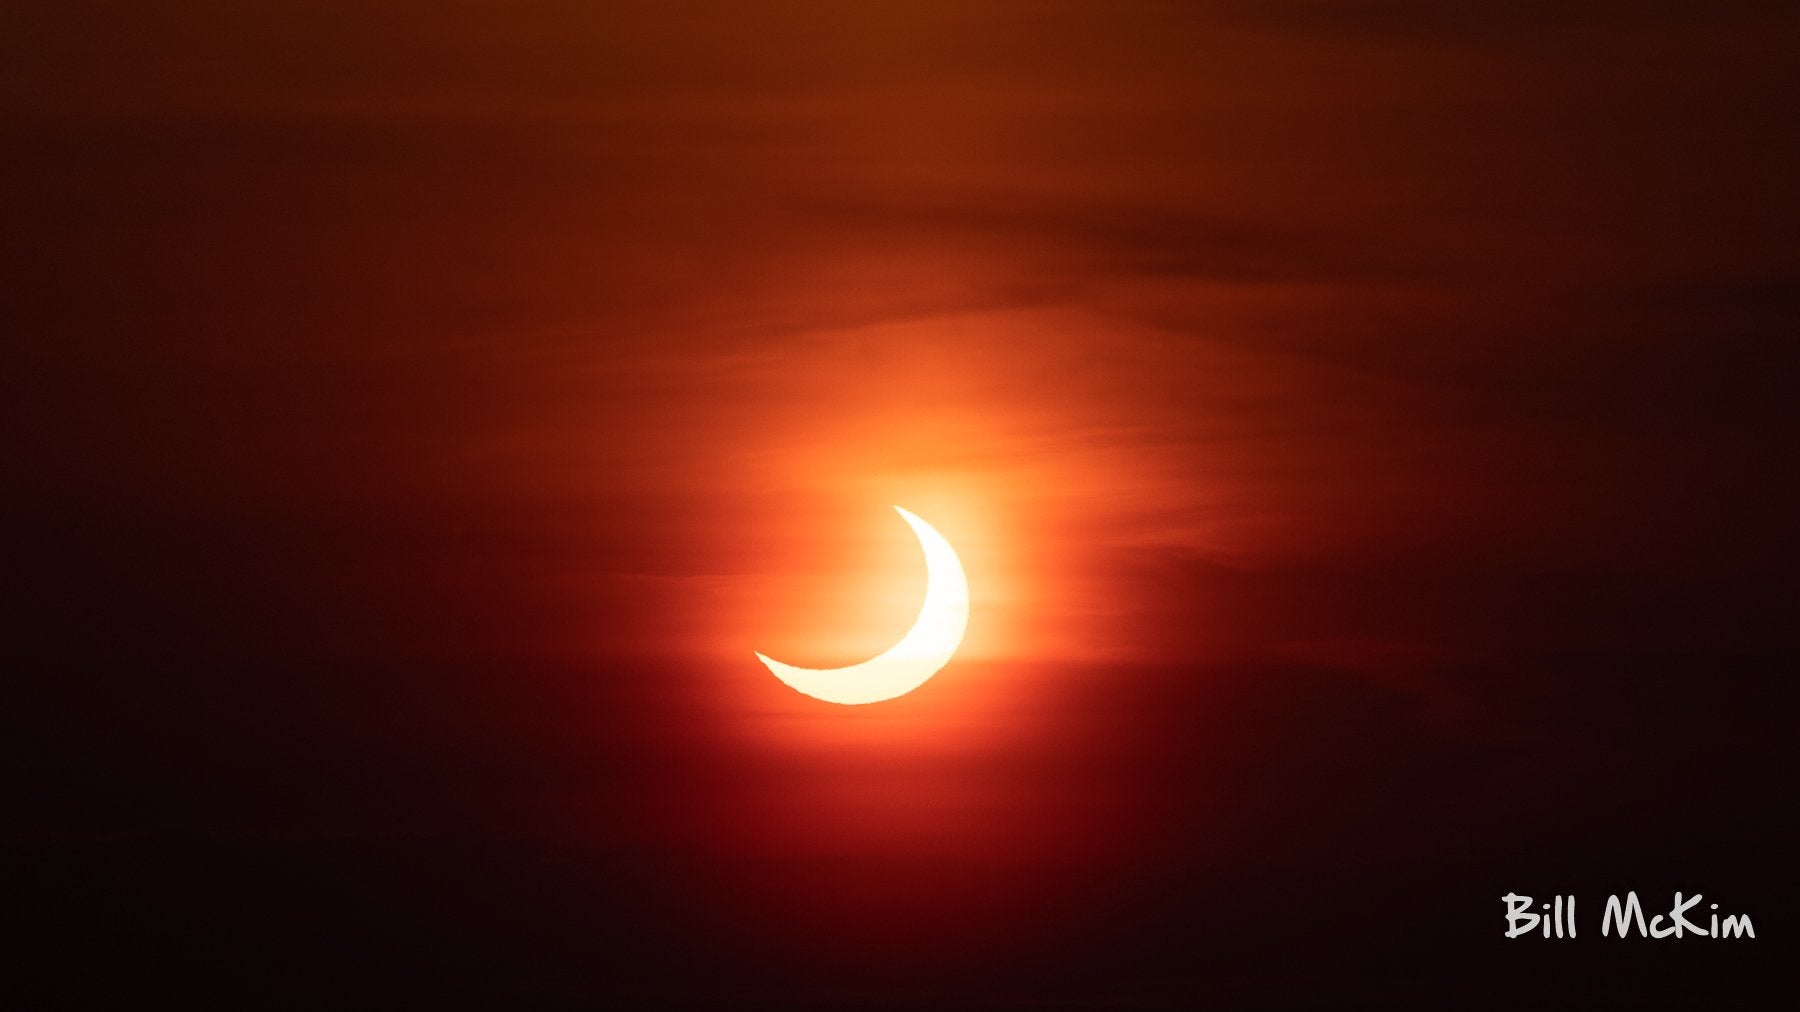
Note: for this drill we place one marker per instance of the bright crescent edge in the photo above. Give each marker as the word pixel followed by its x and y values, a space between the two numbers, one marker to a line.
pixel 924 650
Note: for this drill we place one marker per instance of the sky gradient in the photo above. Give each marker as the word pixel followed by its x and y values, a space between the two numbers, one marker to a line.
pixel 1364 426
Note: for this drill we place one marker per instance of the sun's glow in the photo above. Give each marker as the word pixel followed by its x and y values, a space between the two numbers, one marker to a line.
pixel 921 653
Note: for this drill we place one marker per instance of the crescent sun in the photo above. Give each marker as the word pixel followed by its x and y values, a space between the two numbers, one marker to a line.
pixel 921 653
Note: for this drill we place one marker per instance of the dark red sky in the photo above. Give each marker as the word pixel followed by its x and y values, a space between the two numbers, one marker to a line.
pixel 418 412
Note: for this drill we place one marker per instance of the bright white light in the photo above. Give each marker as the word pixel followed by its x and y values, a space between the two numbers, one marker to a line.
pixel 925 648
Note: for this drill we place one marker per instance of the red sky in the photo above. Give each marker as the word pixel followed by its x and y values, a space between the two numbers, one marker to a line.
pixel 1276 288
pixel 1427 350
